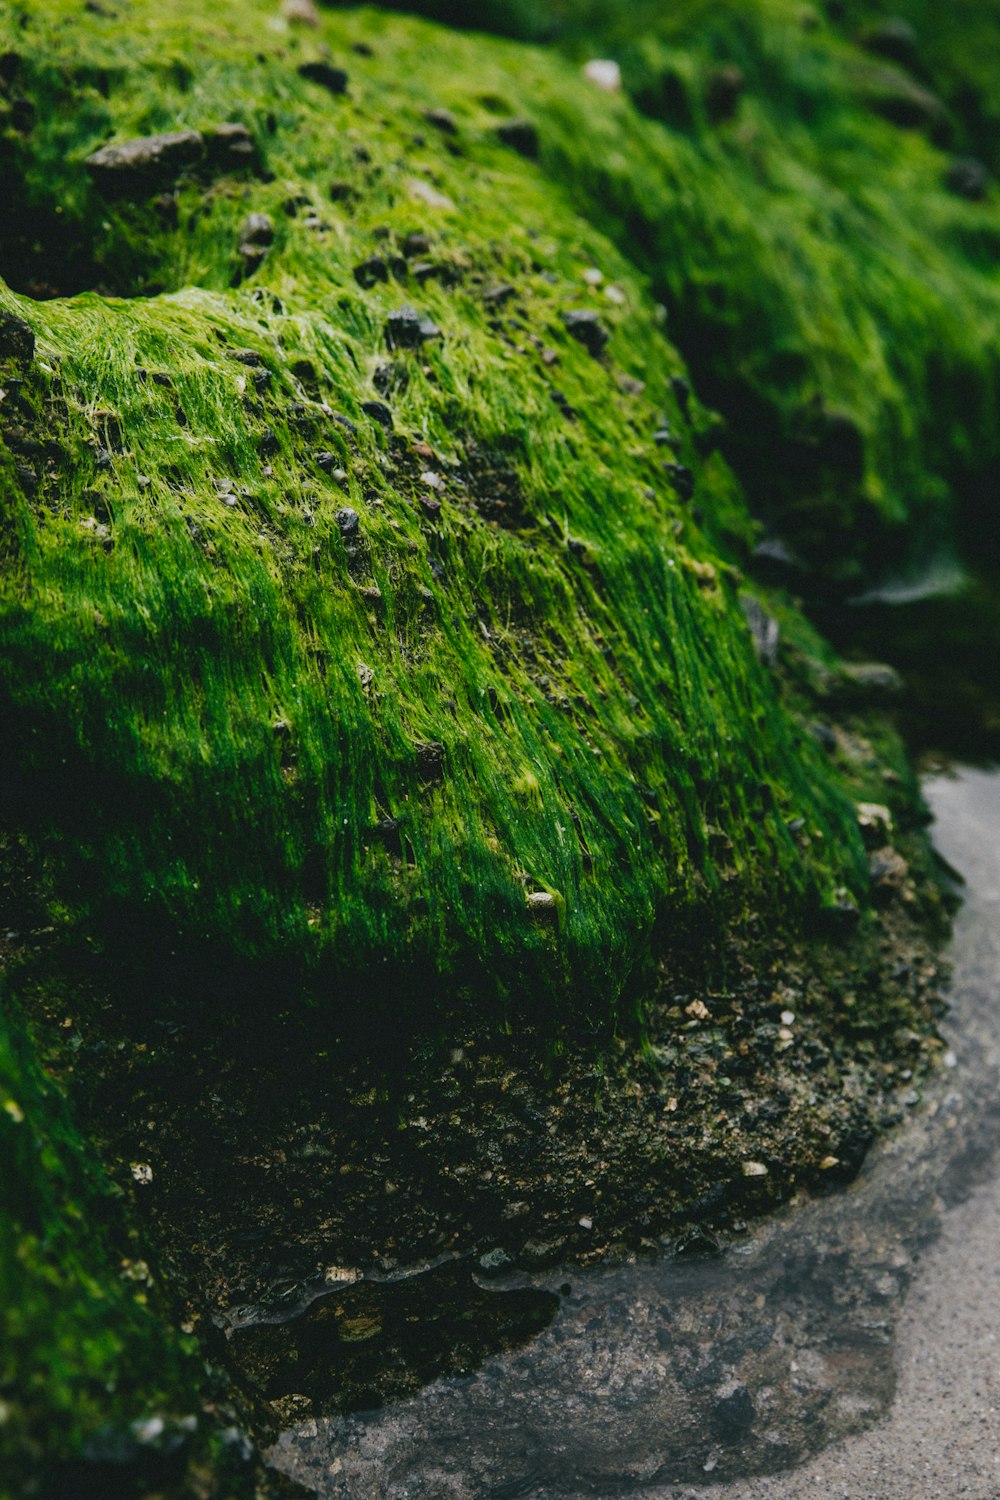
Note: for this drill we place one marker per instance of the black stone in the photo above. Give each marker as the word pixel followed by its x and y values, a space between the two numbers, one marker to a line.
pixel 723 91
pixel 408 329
pixel 17 339
pixel 369 271
pixel 347 521
pixel 587 328
pixel 443 120
pixel 895 38
pixel 968 178
pixel 681 478
pixel 733 1415
pixel 521 136
pixel 379 412
pixel 682 392
pixel 416 243
pixel 229 147
pixel 327 76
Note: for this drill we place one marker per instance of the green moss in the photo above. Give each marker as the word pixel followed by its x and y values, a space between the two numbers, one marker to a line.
pixel 364 747
pixel 82 1348
pixel 788 196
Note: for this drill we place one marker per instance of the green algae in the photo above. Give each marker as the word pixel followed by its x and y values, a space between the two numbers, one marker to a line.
pixel 788 196
pixel 84 1349
pixel 363 749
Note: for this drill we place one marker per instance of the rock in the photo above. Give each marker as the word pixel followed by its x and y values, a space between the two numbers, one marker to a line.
pixel 733 1415
pixel 408 329
pixel 775 562
pixel 229 147
pixel 146 163
pixel 416 243
pixel 682 392
pixel 681 478
pixel 257 229
pixel 968 178
pixel 587 328
pixel 430 761
pixel 426 192
pixel 605 72
pixel 874 680
pixel 256 236
pixel 521 136
pixel 443 120
pixel 494 1262
pixel 895 39
pixel 17 339
pixel 379 412
pixel 542 903
pixel 723 91
pixel 334 80
pixel 875 822
pixel 763 629
pixel 300 12
pixel 369 271
pixel 888 870
pixel 347 521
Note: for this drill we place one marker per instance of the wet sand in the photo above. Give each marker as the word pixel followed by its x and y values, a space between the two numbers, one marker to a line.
pixel 941 1440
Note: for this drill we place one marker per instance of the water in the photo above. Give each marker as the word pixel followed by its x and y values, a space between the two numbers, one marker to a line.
pixel 693 1371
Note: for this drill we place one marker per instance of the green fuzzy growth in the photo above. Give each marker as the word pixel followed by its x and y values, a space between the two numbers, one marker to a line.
pixel 467 707
pixel 828 266
pixel 83 1354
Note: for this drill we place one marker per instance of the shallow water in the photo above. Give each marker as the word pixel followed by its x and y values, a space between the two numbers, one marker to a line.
pixel 694 1371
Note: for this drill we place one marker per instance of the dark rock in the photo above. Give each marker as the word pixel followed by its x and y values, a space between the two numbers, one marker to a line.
pixel 681 478
pixel 682 392
pixel 256 236
pixel 17 339
pixel 326 461
pixel 379 412
pixel 733 1415
pixel 340 192
pixel 408 329
pixel 416 243
pixel 443 120
pixel 257 229
pixel 895 39
pixel 347 521
pixel 968 178
pixel 327 76
pixel 345 423
pixel 430 761
pixel 663 437
pixel 248 357
pixel 763 629
pixel 268 444
pixel 498 295
pixel 229 147
pixel 368 272
pixel 587 328
pixel 148 162
pixel 723 91
pixel 521 136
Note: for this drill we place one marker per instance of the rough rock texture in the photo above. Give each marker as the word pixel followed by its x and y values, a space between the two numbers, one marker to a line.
pixel 373 591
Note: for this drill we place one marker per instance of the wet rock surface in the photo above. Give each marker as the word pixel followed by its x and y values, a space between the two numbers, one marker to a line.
pixel 706 1366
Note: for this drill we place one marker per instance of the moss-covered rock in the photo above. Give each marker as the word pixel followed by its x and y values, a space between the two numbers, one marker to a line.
pixel 373 592
pixel 366 598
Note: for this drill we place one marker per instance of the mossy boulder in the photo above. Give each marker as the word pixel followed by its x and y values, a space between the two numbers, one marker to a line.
pixel 368 599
